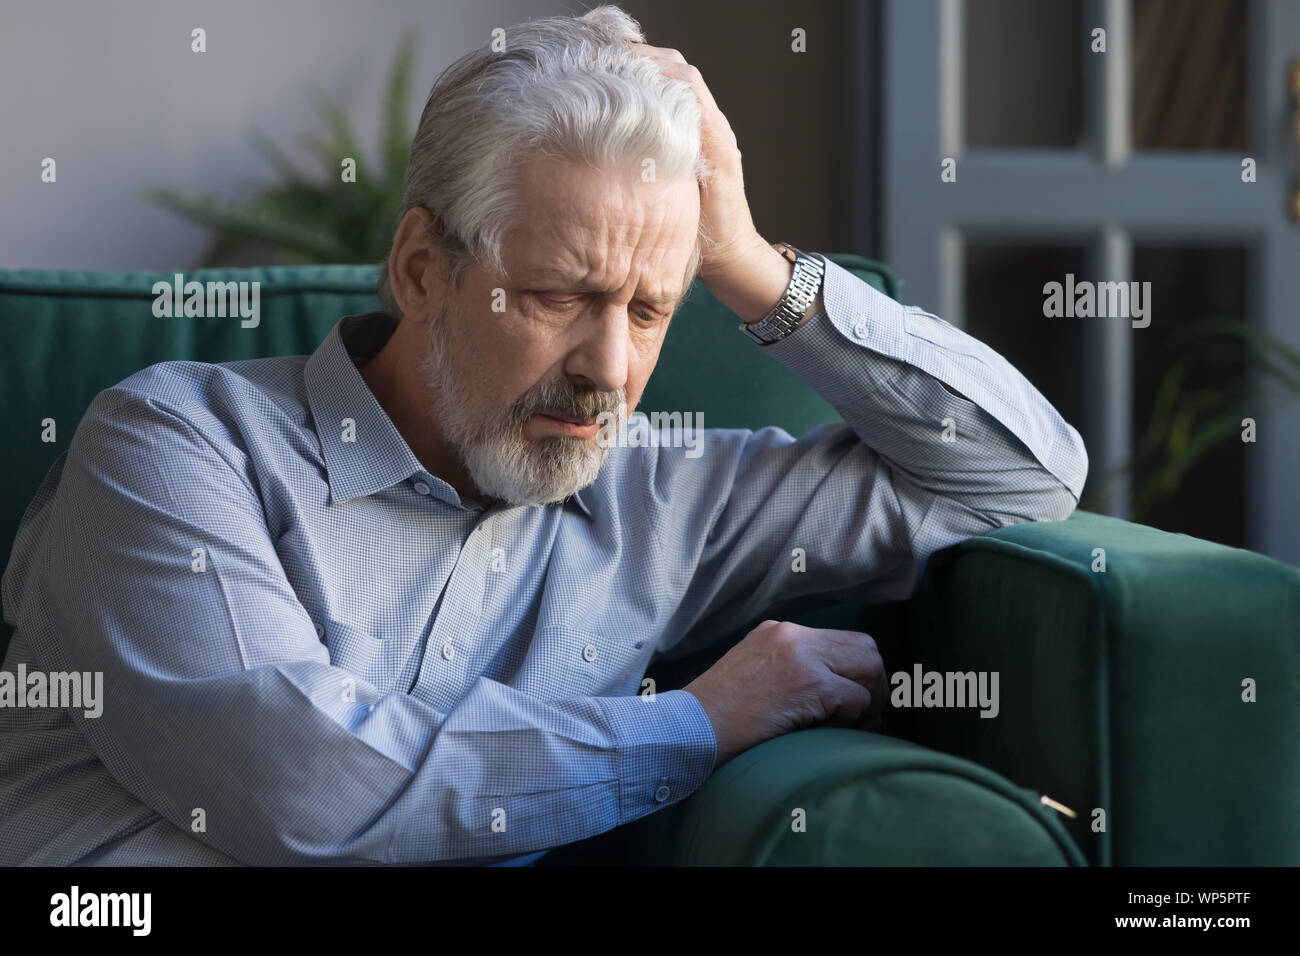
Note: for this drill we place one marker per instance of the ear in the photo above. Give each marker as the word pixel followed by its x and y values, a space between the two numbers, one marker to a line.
pixel 413 273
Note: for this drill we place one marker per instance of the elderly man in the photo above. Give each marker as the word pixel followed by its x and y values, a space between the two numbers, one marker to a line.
pixel 394 602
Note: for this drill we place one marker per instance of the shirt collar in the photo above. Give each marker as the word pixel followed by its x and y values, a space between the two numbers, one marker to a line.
pixel 377 457
pixel 343 408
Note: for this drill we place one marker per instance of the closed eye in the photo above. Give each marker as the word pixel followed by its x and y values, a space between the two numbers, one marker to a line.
pixel 551 300
pixel 561 303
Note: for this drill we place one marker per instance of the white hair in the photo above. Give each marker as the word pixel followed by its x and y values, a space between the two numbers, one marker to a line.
pixel 564 87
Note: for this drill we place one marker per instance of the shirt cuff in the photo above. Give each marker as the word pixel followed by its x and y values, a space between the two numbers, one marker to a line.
pixel 666 749
pixel 853 348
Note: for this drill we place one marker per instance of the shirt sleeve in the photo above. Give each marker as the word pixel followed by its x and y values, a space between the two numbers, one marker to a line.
pixel 942 439
pixel 223 713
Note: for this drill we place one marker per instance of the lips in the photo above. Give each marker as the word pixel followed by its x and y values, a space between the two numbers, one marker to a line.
pixel 571 419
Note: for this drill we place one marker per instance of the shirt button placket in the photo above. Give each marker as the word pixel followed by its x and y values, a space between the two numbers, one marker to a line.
pixel 459 614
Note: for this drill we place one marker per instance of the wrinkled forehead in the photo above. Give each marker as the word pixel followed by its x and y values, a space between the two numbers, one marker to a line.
pixel 600 225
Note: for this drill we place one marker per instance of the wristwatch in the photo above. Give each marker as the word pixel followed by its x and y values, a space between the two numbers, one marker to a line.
pixel 799 295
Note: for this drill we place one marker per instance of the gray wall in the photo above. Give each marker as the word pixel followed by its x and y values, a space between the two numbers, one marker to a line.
pixel 114 95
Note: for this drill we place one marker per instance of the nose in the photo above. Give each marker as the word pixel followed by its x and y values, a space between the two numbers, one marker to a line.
pixel 601 354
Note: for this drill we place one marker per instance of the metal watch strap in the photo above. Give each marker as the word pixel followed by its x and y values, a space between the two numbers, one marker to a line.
pixel 799 295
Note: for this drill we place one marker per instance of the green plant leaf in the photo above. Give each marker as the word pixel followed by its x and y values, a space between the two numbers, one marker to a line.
pixel 305 219
pixel 1169 477
pixel 249 221
pixel 275 156
pixel 1179 432
pixel 344 142
pixel 1252 334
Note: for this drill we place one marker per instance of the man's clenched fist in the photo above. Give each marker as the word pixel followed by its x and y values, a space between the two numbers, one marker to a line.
pixel 784 676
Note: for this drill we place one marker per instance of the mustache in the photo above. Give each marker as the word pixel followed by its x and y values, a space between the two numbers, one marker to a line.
pixel 558 397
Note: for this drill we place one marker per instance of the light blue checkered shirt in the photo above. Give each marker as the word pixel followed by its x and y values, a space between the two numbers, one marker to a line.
pixel 314 651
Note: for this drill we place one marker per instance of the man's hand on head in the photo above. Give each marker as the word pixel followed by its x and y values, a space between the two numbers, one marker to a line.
pixel 737 265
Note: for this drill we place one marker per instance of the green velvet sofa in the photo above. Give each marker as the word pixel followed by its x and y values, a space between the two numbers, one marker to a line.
pixel 1121 690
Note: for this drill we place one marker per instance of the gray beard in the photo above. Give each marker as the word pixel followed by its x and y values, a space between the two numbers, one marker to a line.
pixel 502 463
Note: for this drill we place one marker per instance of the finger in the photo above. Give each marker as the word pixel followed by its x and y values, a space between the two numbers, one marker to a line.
pixel 854 703
pixel 673 64
pixel 692 75
pixel 879 702
pixel 851 654
pixel 658 52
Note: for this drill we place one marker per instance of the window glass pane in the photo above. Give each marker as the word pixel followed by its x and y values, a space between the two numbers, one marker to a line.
pixel 1189 74
pixel 1004 309
pixel 1023 83
pixel 1206 498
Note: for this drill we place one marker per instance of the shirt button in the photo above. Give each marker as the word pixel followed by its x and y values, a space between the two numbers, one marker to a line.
pixel 860 329
pixel 422 488
pixel 589 653
pixel 447 652
pixel 320 630
pixel 662 794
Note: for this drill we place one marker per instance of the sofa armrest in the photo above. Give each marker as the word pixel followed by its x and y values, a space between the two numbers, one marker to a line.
pixel 837 797
pixel 1125 690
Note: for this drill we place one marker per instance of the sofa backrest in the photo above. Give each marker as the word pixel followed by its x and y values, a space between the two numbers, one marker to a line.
pixel 65 335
